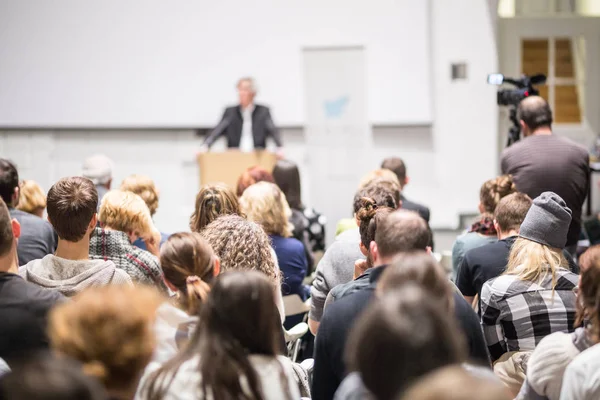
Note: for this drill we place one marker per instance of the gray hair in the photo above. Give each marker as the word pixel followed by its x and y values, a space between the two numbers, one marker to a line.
pixel 250 80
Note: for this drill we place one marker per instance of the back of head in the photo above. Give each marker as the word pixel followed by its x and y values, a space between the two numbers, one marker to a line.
pixel 144 187
pixel 98 168
pixel 240 245
pixel 418 267
pixel 72 204
pixel 399 338
pixel 287 177
pixel 456 383
pixel 188 263
pixel 109 330
pixel 9 181
pixel 265 204
pixel 397 166
pixel 212 201
pixel 7 237
pixel 251 176
pixel 535 112
pixel 495 189
pixel 384 193
pixel 382 173
pixel 32 198
pixel 125 212
pixel 511 211
pixel 402 231
pixel 588 306
pixel 50 378
pixel 589 258
pixel 370 215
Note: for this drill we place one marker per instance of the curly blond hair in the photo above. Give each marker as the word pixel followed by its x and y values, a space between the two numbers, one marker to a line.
pixel 32 198
pixel 109 330
pixel 265 204
pixel 126 212
pixel 494 190
pixel 241 245
pixel 144 187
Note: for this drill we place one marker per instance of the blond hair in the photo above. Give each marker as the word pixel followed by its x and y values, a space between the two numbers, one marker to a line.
pixel 32 198
pixel 109 330
pixel 144 187
pixel 241 245
pixel 126 212
pixel 381 175
pixel 265 204
pixel 494 190
pixel 532 261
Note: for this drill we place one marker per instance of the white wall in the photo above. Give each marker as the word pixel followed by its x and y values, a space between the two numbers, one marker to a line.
pixel 165 64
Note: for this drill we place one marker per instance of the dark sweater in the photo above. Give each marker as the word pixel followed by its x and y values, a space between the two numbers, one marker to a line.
pixel 24 309
pixel 339 317
pixel 38 238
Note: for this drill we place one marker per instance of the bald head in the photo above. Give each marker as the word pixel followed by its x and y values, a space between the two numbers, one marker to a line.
pixel 534 113
pixel 401 231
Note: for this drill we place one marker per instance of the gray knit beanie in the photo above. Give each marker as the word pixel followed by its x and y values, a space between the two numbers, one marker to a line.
pixel 547 221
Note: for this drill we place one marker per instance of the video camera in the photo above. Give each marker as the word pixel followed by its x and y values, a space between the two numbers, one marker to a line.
pixel 512 97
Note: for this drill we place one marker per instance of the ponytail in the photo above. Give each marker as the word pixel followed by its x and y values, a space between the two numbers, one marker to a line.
pixel 197 293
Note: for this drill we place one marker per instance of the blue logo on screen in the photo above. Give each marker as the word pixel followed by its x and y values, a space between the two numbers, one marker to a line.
pixel 336 108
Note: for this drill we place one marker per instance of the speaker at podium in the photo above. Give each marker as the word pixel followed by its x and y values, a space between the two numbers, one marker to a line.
pixel 227 166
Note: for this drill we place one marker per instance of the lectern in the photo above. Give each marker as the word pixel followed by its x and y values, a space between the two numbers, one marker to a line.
pixel 227 166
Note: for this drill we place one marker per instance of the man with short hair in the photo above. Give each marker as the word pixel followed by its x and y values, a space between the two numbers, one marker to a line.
pixel 99 169
pixel 544 162
pixel 489 261
pixel 72 204
pixel 397 166
pixel 23 307
pixel 37 236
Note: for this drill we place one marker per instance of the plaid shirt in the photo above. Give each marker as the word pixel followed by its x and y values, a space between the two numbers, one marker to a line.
pixel 517 314
pixel 142 266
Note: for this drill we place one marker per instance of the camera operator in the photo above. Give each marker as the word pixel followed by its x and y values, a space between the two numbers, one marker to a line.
pixel 544 162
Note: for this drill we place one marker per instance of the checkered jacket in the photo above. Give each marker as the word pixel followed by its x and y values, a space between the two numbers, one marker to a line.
pixel 142 266
pixel 517 314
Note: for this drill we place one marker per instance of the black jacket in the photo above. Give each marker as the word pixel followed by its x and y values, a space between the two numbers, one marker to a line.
pixel 24 309
pixel 412 206
pixel 231 127
pixel 337 322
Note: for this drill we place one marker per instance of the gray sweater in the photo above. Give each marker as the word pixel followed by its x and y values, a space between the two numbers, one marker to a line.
pixel 336 267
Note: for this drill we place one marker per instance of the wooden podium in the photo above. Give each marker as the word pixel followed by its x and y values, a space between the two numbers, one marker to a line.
pixel 226 167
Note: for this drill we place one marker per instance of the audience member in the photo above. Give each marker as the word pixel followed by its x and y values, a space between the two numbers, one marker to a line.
pixel 483 231
pixel 534 297
pixel 589 258
pixel 124 217
pixel 23 306
pixel 251 176
pixel 72 204
pixel 37 236
pixel 99 169
pixel 543 162
pixel 550 358
pixel 109 330
pixel 397 166
pixel 337 265
pixel 212 201
pixel 582 377
pixel 50 378
pixel 398 339
pixel 244 245
pixel 144 187
pixel 189 265
pixel 489 261
pixel 401 231
pixel 265 204
pixel 32 198
pixel 309 225
pixel 455 383
pixel 234 352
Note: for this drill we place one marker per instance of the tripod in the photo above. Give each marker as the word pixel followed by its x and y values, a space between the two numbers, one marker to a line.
pixel 514 133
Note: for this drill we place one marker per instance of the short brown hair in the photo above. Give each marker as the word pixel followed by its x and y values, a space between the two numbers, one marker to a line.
pixel 72 203
pixel 109 330
pixel 397 166
pixel 31 197
pixel 251 176
pixel 402 231
pixel 144 187
pixel 6 233
pixel 212 201
pixel 495 189
pixel 511 211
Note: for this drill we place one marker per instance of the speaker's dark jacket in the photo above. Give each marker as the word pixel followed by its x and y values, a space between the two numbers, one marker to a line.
pixel 231 127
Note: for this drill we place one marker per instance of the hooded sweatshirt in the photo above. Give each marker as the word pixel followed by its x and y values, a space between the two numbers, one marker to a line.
pixel 70 277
